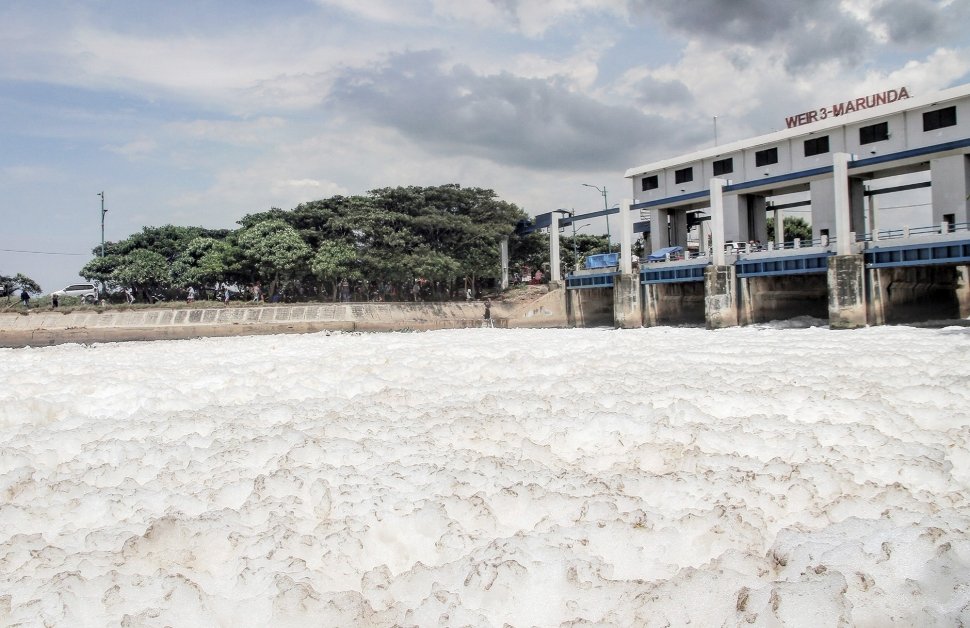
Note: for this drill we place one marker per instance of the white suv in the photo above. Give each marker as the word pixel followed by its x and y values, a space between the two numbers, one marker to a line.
pixel 86 292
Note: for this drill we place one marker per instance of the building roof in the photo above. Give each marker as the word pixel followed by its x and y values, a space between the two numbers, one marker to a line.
pixel 882 111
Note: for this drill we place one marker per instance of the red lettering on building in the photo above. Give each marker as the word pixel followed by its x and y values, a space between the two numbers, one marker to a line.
pixel 849 106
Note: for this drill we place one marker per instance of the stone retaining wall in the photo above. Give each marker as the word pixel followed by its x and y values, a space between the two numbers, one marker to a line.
pixel 40 328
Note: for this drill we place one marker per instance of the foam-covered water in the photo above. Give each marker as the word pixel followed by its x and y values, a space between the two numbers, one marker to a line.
pixel 482 477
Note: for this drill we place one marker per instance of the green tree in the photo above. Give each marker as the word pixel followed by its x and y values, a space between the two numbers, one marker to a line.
pixel 141 269
pixel 274 250
pixel 102 269
pixel 204 262
pixel 334 261
pixel 795 227
pixel 25 283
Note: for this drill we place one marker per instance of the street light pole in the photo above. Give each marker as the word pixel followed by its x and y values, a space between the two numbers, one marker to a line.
pixel 606 206
pixel 103 212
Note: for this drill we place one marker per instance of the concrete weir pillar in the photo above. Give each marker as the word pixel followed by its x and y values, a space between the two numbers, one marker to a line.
pixel 720 280
pixel 626 285
pixel 847 270
pixel 847 291
pixel 720 297
pixel 963 290
pixel 878 297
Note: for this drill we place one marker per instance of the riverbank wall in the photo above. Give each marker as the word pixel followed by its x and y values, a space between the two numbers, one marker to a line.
pixel 88 325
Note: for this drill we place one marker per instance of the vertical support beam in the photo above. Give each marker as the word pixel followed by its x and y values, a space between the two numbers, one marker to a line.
pixel 779 234
pixel 651 303
pixel 758 216
pixel 878 286
pixel 951 188
pixel 963 290
pixel 843 212
pixel 679 228
pixel 555 264
pixel 873 223
pixel 626 286
pixel 504 254
pixel 626 236
pixel 720 296
pixel 745 302
pixel 659 237
pixel 717 220
pixel 847 294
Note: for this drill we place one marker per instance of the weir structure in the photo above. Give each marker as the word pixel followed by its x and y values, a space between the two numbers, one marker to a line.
pixel 710 258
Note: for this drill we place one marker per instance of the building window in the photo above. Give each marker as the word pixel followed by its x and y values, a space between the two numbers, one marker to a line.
pixel 684 175
pixel 723 166
pixel 933 120
pixel 650 183
pixel 766 157
pixel 817 146
pixel 875 133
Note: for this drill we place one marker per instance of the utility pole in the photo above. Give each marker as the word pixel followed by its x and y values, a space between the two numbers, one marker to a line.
pixel 715 130
pixel 609 240
pixel 103 212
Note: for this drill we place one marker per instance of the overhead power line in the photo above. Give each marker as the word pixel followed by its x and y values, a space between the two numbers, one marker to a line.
pixel 40 252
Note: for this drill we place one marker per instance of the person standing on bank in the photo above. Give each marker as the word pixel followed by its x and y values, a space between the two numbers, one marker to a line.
pixel 25 297
pixel 190 297
pixel 488 312
pixel 54 299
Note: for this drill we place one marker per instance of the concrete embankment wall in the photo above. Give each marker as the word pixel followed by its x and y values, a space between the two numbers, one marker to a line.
pixel 42 328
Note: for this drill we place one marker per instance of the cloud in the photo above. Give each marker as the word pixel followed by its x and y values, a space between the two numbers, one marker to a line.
pixel 136 149
pixel 654 91
pixel 536 123
pixel 922 22
pixel 806 33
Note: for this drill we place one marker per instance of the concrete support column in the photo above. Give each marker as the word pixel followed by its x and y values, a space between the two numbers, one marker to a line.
pixel 626 237
pixel 779 233
pixel 555 274
pixel 626 286
pixel 878 286
pixel 847 294
pixel 745 302
pixel 659 237
pixel 720 296
pixel 843 213
pixel 963 290
pixel 679 229
pixel 873 225
pixel 504 254
pixel 717 221
pixel 758 213
pixel 626 301
pixel 651 299
pixel 734 213
pixel 951 188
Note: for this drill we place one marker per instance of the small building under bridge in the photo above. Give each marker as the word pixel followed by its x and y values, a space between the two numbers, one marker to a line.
pixel 837 168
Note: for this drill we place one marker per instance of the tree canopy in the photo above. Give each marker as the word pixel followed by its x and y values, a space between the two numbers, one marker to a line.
pixel 398 235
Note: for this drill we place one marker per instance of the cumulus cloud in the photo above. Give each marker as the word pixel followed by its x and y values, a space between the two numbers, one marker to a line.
pixel 538 123
pixel 921 22
pixel 135 149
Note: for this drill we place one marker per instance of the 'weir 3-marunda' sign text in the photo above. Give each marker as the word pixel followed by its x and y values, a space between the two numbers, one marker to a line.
pixel 838 109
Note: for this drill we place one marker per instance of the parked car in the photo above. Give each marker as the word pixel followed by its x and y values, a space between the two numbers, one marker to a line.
pixel 86 292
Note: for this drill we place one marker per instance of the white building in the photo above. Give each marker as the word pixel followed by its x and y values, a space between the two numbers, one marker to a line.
pixel 888 134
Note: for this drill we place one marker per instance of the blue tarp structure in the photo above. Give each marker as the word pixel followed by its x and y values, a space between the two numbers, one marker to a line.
pixel 603 260
pixel 661 254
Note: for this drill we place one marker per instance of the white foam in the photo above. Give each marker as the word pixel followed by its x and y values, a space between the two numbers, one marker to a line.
pixel 776 474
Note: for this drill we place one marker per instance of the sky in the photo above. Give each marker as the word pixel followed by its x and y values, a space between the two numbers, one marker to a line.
pixel 200 112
